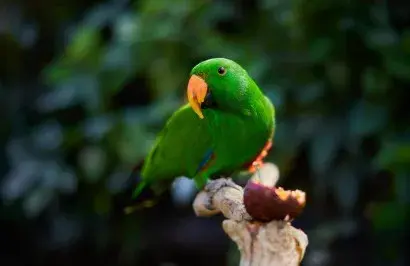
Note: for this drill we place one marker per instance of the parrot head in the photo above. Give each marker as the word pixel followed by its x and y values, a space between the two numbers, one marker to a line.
pixel 219 83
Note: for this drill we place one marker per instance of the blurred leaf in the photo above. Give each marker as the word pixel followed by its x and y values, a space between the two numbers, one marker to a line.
pixel 63 96
pixel 48 136
pixel 155 114
pixel 346 186
pixel 133 143
pixel 375 82
pixel 307 126
pixel 18 151
pixel 102 14
pixel 405 41
pixel 366 118
pixel 163 77
pixel 259 68
pixel 64 231
pixel 57 71
pixel 88 89
pixel 117 181
pixel 338 73
pixel 67 182
pixel 379 14
pixel 118 59
pixel 102 203
pixel 96 127
pixel 402 188
pixel 324 145
pixel 113 78
pixel 319 49
pixel 84 44
pixel 398 66
pixel 92 160
pixel 37 201
pixel 389 216
pixel 310 93
pixel 79 88
pixel 126 29
pixel 276 94
pixel 394 156
pixel 50 172
pixel 20 179
pixel 285 144
pixel 381 38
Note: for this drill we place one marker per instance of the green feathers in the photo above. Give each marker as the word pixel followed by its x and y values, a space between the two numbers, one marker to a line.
pixel 224 128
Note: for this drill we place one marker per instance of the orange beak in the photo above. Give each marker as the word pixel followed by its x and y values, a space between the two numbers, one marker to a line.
pixel 197 89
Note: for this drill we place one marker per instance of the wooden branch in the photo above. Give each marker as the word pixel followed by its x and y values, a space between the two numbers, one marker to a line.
pixel 272 243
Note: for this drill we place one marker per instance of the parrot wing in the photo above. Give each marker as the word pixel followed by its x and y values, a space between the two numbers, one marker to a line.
pixel 183 148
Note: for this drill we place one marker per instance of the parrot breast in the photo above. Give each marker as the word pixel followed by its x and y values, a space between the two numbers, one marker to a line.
pixel 258 161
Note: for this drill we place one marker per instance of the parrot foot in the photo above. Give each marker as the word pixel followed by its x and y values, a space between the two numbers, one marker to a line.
pixel 209 205
pixel 213 186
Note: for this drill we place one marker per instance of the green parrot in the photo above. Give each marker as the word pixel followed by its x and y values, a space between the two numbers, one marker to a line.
pixel 227 126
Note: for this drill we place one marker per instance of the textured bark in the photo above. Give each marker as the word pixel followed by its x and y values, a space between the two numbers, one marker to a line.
pixel 276 243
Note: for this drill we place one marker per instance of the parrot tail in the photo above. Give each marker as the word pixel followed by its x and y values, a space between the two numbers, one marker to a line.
pixel 137 191
pixel 143 196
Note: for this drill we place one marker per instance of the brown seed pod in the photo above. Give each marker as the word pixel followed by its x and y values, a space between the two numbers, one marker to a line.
pixel 265 203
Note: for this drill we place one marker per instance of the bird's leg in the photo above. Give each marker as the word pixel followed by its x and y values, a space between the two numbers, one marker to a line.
pixel 214 186
pixel 201 182
pixel 209 204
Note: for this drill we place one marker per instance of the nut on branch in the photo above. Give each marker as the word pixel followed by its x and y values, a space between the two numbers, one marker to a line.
pixel 266 202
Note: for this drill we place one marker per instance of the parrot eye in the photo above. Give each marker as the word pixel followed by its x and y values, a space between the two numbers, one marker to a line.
pixel 221 71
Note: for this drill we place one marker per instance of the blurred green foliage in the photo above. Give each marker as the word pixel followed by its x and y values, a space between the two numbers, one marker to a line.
pixel 337 71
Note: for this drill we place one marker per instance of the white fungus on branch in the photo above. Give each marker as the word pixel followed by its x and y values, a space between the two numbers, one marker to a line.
pixel 265 239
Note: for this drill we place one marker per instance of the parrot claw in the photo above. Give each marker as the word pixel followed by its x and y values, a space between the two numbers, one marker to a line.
pixel 209 206
pixel 213 186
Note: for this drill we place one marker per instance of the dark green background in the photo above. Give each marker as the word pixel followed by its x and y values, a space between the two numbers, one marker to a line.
pixel 86 85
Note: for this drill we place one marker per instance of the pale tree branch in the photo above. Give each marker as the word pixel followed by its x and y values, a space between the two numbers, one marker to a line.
pixel 263 243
